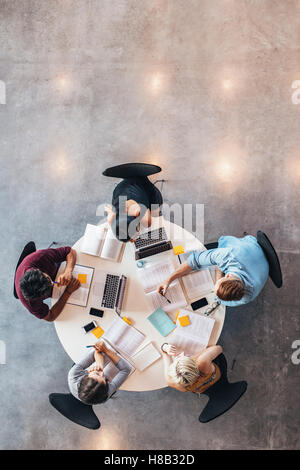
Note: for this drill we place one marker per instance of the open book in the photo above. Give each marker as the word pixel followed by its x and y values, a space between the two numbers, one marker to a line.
pixel 80 296
pixel 193 338
pixel 153 274
pixel 123 337
pixel 197 283
pixel 99 240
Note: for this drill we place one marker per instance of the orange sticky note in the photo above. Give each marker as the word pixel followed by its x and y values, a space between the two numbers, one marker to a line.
pixel 184 321
pixel 82 278
pixel 98 332
pixel 178 250
pixel 126 320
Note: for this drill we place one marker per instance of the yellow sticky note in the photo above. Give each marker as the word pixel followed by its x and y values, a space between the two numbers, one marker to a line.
pixel 177 314
pixel 126 320
pixel 98 332
pixel 184 321
pixel 82 278
pixel 178 250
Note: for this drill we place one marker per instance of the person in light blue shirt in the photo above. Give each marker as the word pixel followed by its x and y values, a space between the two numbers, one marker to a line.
pixel 242 269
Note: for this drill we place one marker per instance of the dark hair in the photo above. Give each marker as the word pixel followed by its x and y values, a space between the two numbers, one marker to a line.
pixel 120 226
pixel 34 284
pixel 92 392
pixel 231 289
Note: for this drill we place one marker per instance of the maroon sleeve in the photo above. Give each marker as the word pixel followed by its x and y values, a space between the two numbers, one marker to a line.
pixel 58 255
pixel 37 307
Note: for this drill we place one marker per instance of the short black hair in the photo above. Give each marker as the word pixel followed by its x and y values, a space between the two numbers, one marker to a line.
pixel 34 284
pixel 92 392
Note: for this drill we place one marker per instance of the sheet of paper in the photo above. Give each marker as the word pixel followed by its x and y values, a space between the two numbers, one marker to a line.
pixel 174 294
pixel 193 338
pixel 198 283
pixel 152 274
pixel 124 337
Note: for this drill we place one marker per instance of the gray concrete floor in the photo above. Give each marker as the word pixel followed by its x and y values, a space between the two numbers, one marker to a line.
pixel 203 88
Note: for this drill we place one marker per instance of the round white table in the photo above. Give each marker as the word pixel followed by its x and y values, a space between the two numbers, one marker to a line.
pixel 135 307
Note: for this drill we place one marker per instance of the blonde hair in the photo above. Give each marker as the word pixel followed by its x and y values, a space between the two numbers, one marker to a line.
pixel 183 371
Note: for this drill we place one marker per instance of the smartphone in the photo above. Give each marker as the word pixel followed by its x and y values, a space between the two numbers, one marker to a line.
pixel 96 312
pixel 90 326
pixel 199 303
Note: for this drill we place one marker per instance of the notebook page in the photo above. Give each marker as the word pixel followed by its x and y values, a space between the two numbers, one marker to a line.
pixel 93 239
pixel 111 247
pixel 198 283
pixel 123 336
pixel 154 273
pixel 174 294
pixel 145 357
pixel 80 296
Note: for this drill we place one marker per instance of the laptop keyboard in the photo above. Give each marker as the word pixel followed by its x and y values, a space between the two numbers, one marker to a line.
pixel 110 291
pixel 149 238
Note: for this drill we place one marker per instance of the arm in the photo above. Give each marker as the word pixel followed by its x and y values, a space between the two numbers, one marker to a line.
pixel 123 366
pixel 205 358
pixel 181 271
pixel 59 305
pixel 168 351
pixel 64 278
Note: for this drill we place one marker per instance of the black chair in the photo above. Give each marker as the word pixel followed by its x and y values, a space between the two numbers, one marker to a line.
pixel 222 395
pixel 74 410
pixel 27 250
pixel 211 246
pixel 271 255
pixel 128 170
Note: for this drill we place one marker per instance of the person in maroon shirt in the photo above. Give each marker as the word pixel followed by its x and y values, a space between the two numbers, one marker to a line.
pixel 35 277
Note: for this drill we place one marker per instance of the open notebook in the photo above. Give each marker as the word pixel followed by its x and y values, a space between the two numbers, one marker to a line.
pixel 99 240
pixel 193 338
pixel 153 274
pixel 79 296
pixel 123 337
pixel 145 356
pixel 198 283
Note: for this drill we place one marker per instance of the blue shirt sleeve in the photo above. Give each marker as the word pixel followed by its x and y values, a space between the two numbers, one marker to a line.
pixel 202 259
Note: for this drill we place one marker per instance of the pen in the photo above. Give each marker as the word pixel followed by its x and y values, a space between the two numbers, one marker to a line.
pixel 90 346
pixel 166 298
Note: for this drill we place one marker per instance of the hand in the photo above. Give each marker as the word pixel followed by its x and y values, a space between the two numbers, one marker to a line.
pixel 169 349
pixel 64 278
pixel 96 367
pixel 100 346
pixel 163 287
pixel 73 285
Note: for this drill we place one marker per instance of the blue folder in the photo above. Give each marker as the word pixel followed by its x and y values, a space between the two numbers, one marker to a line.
pixel 160 320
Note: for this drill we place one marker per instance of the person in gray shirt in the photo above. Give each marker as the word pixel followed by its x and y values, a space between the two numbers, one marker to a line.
pixel 87 380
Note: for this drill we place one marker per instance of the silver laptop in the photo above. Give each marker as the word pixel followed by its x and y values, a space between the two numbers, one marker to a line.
pixel 108 291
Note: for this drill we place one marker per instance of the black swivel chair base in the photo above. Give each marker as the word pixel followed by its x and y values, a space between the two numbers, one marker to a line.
pixel 74 410
pixel 271 255
pixel 222 395
pixel 128 170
